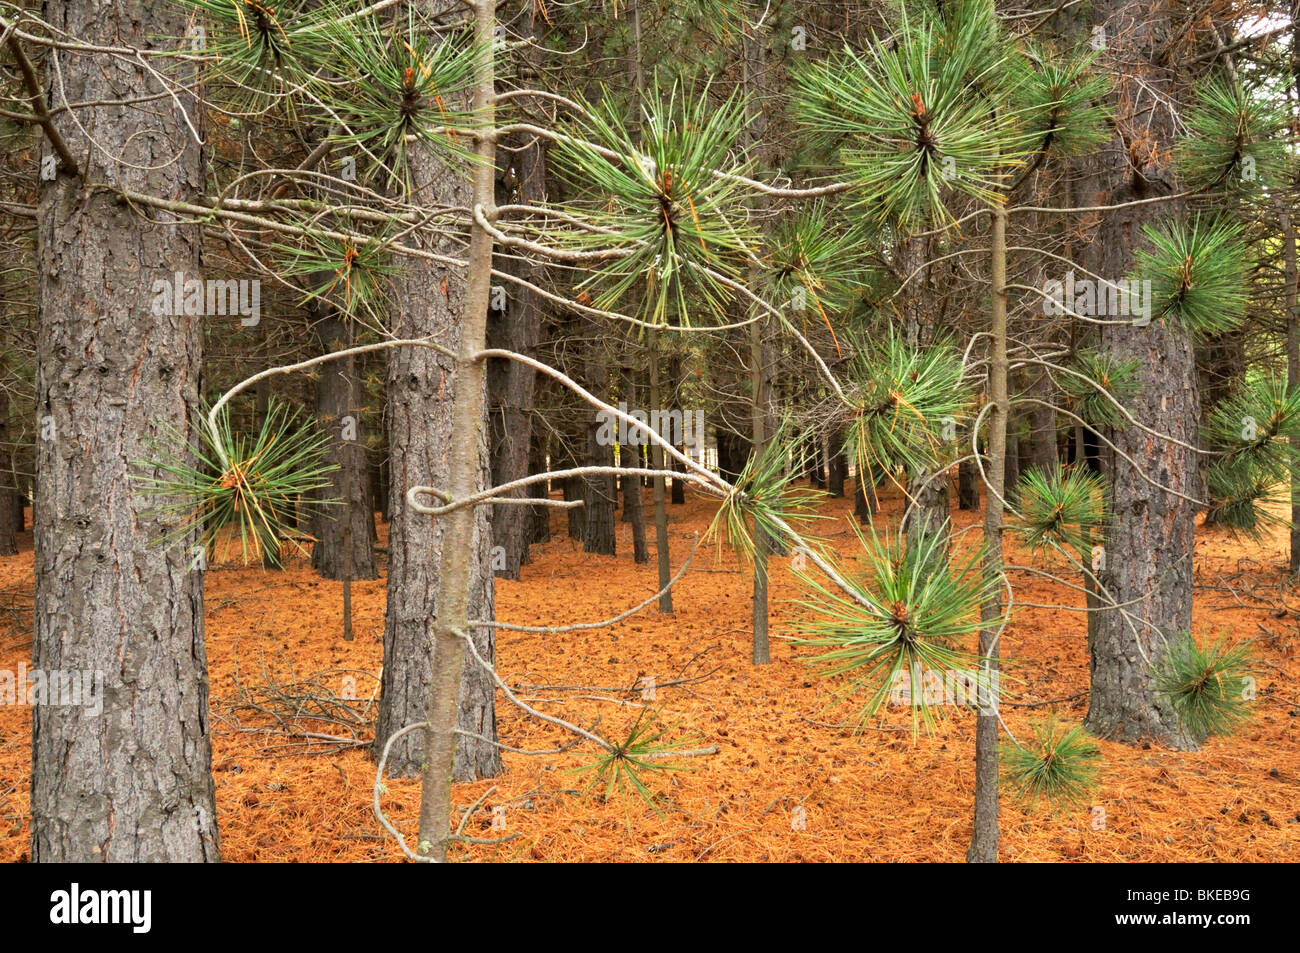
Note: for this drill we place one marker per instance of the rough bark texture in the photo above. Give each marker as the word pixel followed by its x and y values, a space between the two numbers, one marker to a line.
pixel 1148 565
pixel 633 508
pixel 510 383
pixel 421 388
pixel 1042 427
pixel 1292 276
pixel 133 783
pixel 349 526
pixel 599 498
pixel 540 524
pixel 8 484
pixel 968 485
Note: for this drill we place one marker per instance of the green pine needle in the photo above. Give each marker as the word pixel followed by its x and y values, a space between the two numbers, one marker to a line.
pixel 660 210
pixel 1064 507
pixel 1236 140
pixel 251 483
pixel 403 86
pixel 1102 381
pixel 1198 272
pixel 763 499
pixel 1062 99
pixel 1209 688
pixel 922 117
pixel 626 765
pixel 910 615
pixel 1060 766
pixel 908 402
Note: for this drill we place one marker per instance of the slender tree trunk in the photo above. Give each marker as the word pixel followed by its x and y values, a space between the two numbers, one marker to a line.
pixel 540 526
pixel 128 778
pixel 657 463
pixel 817 460
pixel 439 569
pixel 1042 427
pixel 631 457
pixel 839 465
pixel 926 505
pixel 864 502
pixel 1292 365
pixel 984 836
pixel 968 485
pixel 8 484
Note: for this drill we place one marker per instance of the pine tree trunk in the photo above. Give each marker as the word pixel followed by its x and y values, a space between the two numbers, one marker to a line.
pixel 540 525
pixel 1042 428
pixel 432 431
pixel 1292 277
pixel 632 505
pixel 598 498
pixel 662 555
pixel 345 532
pixel 839 465
pixel 984 834
pixel 510 383
pixel 1149 545
pixel 134 782
pixel 968 485
pixel 8 484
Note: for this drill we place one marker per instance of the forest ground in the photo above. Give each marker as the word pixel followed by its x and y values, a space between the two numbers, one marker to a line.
pixel 276 655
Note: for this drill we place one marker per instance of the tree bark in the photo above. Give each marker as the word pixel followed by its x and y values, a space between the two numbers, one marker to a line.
pixel 662 555
pixel 984 834
pixel 439 569
pixel 132 783
pixel 8 483
pixel 345 532
pixel 510 383
pixel 1149 545
pixel 1292 277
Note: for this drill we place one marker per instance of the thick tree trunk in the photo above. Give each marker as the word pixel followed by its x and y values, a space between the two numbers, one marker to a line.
pixel 133 781
pixel 345 532
pixel 425 443
pixel 510 383
pixel 1149 545
pixel 598 499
